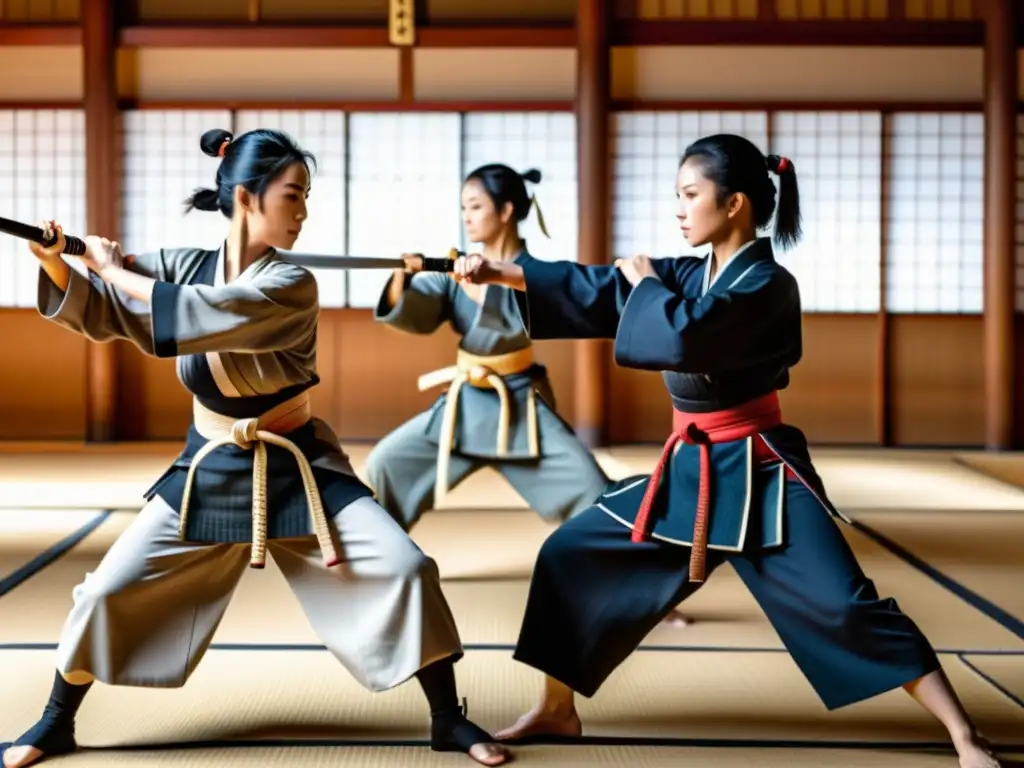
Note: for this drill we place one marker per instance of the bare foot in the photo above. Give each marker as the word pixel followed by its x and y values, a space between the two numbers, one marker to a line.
pixel 19 757
pixel 677 619
pixel 976 752
pixel 490 753
pixel 544 722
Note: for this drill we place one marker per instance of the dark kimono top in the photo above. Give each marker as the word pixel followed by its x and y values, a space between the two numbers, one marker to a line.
pixel 717 345
pixel 241 348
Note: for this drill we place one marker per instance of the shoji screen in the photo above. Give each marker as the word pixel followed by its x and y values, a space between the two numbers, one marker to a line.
pixel 647 147
pixel 838 161
pixel 163 164
pixel 323 134
pixel 934 214
pixel 524 140
pixel 404 185
pixel 42 161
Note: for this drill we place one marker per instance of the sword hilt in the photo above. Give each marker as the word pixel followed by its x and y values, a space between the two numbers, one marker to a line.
pixel 441 263
pixel 73 246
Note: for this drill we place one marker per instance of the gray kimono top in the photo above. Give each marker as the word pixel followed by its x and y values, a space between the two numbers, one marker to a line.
pixel 241 348
pixel 491 327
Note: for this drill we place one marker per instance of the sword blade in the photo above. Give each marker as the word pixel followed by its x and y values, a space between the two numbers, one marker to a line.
pixel 319 261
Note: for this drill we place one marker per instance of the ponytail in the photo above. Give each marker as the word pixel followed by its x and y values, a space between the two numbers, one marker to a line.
pixel 787 213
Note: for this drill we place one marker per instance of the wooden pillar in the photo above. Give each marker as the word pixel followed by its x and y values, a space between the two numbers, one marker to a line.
pixel 1000 220
pixel 593 85
pixel 101 192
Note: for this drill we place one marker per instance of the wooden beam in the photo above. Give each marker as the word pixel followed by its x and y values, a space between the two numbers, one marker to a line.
pixel 838 105
pixel 638 32
pixel 593 81
pixel 1000 221
pixel 406 75
pixel 253 36
pixel 334 36
pixel 40 34
pixel 358 106
pixel 101 193
pixel 627 32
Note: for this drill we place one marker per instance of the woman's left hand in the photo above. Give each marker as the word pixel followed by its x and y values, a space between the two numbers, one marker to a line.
pixel 101 254
pixel 636 268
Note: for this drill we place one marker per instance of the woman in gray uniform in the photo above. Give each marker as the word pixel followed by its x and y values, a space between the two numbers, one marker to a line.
pixel 499 409
pixel 241 323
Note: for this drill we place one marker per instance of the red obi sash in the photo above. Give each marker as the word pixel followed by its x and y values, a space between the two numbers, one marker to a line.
pixel 705 429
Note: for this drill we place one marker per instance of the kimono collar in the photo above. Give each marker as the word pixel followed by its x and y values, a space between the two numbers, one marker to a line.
pixel 748 254
pixel 256 265
pixel 522 254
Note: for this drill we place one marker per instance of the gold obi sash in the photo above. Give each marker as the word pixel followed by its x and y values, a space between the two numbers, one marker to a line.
pixel 256 433
pixel 485 372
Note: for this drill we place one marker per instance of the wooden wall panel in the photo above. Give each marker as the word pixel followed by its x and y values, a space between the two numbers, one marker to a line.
pixel 833 394
pixel 368 373
pixel 152 404
pixel 937 380
pixel 639 407
pixel 796 73
pixel 40 73
pixel 535 74
pixel 224 75
pixel 534 10
pixel 1019 381
pixel 43 383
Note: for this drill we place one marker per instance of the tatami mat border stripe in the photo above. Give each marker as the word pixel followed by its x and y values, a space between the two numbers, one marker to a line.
pixel 51 554
pixel 991 680
pixel 599 741
pixel 969 596
pixel 988 475
pixel 508 648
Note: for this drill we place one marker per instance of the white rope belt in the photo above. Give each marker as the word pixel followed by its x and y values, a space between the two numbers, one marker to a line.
pixel 256 433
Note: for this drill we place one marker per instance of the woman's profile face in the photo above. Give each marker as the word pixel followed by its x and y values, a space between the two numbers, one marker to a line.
pixel 278 221
pixel 481 219
pixel 701 215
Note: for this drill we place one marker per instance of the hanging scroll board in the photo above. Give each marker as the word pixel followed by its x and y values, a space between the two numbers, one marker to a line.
pixel 401 22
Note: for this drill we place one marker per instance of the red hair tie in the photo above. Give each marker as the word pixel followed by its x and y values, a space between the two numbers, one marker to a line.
pixel 783 165
pixel 223 147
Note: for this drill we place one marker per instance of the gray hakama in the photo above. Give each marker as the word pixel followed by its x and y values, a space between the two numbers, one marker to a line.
pixel 506 420
pixel 244 349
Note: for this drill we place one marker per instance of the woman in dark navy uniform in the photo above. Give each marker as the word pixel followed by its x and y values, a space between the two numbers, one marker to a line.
pixel 733 482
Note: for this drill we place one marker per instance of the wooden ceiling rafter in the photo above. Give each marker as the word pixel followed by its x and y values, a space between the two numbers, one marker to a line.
pixel 767 30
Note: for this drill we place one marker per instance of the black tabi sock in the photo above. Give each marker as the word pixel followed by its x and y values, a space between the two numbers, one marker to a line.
pixel 438 683
pixel 54 734
pixel 450 730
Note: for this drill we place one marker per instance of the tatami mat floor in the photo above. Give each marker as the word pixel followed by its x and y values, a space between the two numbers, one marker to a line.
pixel 941 532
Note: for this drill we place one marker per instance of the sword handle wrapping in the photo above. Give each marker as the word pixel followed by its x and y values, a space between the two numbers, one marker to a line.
pixel 441 264
pixel 73 246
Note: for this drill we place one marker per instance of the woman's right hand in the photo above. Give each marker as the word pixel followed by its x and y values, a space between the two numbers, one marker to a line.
pixel 48 253
pixel 413 263
pixel 475 269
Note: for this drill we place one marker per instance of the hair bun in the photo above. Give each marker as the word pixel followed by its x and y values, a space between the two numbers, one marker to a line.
pixel 213 140
pixel 532 176
pixel 778 164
